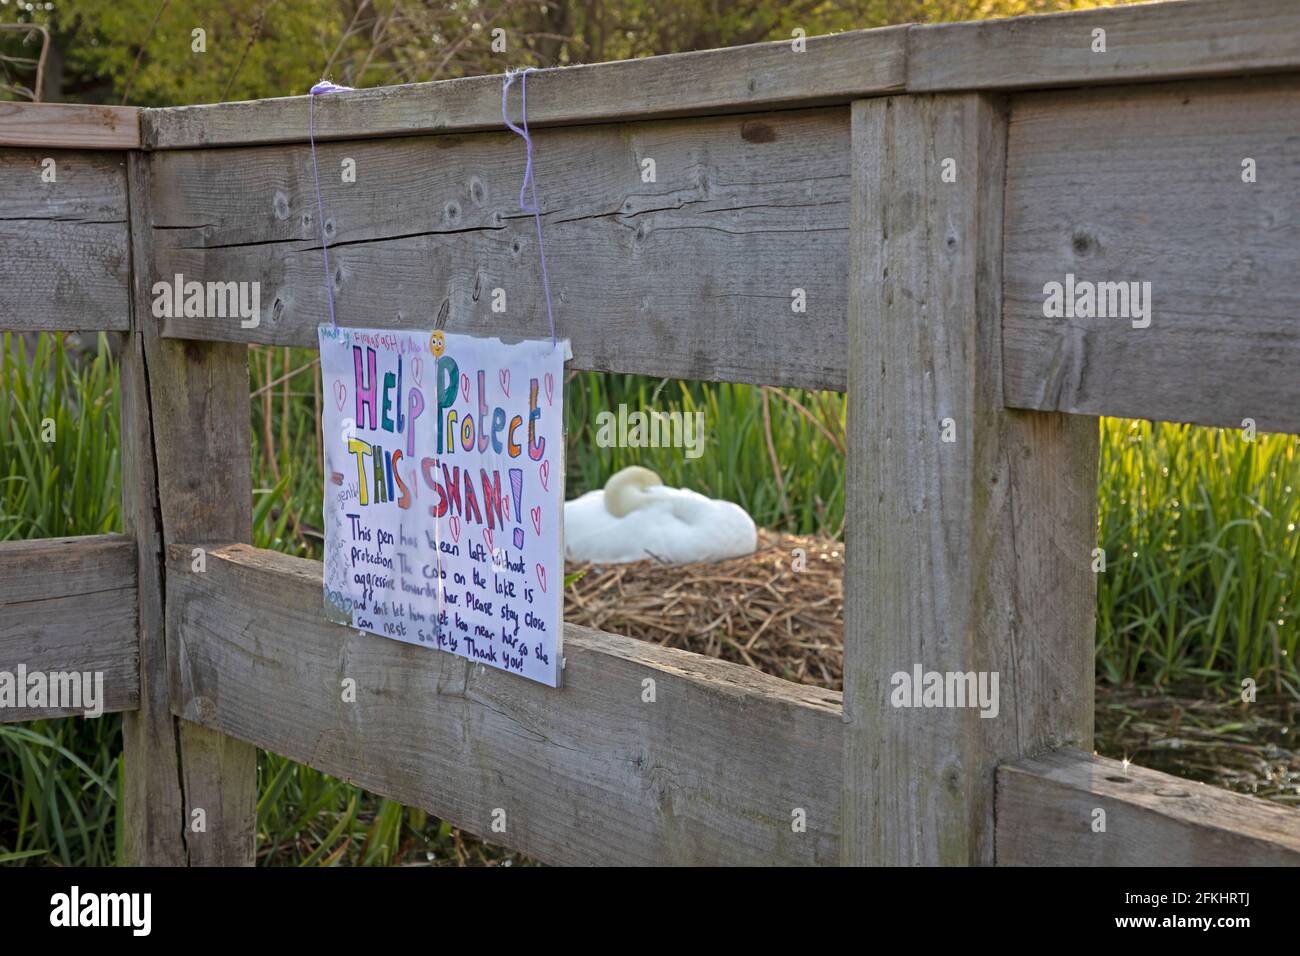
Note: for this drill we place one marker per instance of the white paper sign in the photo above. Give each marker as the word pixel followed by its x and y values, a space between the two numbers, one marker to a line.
pixel 444 493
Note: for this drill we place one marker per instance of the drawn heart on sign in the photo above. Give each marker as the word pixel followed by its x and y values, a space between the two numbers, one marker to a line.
pixel 417 367
pixel 504 377
pixel 544 472
pixel 464 386
pixel 541 577
pixel 340 394
pixel 550 387
pixel 487 536
pixel 537 519
pixel 455 528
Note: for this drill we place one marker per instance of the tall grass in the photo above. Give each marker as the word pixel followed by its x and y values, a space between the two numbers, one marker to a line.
pixel 59 469
pixel 1198 525
pixel 1200 528
pixel 287 479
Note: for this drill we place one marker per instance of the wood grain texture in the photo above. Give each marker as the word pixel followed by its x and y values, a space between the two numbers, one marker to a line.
pixel 63 243
pixel 735 80
pixel 1153 41
pixel 950 546
pixel 69 126
pixel 1045 815
pixel 220 778
pixel 1145 184
pixel 688 276
pixel 153 803
pixel 589 774
pixel 66 567
pixel 200 414
pixel 69 604
pixel 186 472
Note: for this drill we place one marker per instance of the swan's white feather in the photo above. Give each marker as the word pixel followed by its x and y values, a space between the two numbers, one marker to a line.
pixel 675 525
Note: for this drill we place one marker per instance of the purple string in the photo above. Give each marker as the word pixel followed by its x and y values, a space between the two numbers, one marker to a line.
pixel 321 88
pixel 529 182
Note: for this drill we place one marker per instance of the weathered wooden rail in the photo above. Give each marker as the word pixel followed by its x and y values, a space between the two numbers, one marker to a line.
pixel 822 170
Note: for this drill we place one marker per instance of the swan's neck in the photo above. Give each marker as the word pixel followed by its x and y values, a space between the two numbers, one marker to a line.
pixel 623 499
pixel 626 490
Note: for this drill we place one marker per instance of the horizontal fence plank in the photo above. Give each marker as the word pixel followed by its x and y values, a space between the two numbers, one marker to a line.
pixel 1144 184
pixel 739 80
pixel 689 276
pixel 63 243
pixel 43 568
pixel 1046 812
pixel 1155 41
pixel 710 773
pixel 69 604
pixel 69 126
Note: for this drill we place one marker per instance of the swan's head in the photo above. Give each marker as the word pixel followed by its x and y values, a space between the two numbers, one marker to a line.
pixel 625 490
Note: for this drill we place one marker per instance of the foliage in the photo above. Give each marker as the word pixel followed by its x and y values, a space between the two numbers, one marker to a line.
pixel 141 51
pixel 60 784
pixel 1200 531
pixel 68 484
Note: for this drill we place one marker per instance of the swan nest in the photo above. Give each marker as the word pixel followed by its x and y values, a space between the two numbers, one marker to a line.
pixel 754 610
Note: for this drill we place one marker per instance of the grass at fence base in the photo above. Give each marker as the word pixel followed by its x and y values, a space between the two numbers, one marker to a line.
pixel 1223 742
pixel 1199 529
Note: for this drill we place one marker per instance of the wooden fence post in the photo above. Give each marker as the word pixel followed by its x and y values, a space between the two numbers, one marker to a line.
pixel 970 526
pixel 186 477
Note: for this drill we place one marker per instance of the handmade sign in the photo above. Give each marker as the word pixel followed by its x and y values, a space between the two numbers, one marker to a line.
pixel 444 498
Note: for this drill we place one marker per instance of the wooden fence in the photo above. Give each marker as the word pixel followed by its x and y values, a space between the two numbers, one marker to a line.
pixel 821 169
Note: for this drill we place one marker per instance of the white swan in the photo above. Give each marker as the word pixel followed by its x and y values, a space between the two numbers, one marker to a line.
pixel 637 517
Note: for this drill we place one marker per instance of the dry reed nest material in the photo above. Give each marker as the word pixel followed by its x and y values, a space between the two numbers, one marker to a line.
pixel 756 610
